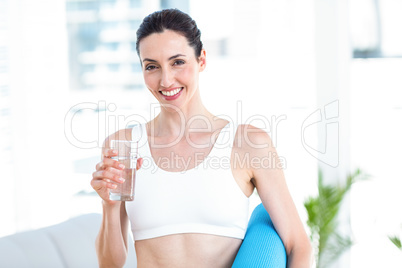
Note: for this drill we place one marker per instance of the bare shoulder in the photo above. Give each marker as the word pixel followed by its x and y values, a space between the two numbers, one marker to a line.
pixel 252 138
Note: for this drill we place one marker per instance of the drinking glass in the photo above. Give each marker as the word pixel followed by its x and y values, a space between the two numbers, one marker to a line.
pixel 127 153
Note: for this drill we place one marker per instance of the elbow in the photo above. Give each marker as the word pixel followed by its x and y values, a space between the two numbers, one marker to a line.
pixel 305 249
pixel 302 253
pixel 107 258
pixel 309 253
pixel 110 265
pixel 110 261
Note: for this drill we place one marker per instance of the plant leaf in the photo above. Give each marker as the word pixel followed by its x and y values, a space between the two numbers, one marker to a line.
pixel 396 241
pixel 322 211
pixel 335 247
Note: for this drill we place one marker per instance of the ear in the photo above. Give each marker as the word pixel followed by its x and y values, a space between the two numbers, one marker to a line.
pixel 202 60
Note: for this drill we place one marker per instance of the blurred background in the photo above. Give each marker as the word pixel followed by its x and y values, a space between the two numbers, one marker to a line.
pixel 323 78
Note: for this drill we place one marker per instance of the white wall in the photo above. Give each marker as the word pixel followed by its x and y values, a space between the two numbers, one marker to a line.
pixel 268 75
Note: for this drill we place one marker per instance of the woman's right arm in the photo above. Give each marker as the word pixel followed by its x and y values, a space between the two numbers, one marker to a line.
pixel 112 240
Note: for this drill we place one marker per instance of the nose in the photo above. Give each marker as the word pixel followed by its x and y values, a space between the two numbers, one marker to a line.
pixel 167 78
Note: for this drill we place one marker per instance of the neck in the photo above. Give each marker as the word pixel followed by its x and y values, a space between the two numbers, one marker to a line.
pixel 171 121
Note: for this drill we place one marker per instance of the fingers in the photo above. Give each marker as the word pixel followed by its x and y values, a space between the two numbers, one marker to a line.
pixel 110 152
pixel 109 175
pixel 106 155
pixel 98 185
pixel 139 163
pixel 107 162
pixel 111 170
pixel 104 180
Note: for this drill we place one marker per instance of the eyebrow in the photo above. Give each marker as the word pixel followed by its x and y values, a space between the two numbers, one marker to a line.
pixel 171 58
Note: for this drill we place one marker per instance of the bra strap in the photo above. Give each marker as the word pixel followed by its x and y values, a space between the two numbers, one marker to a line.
pixel 136 132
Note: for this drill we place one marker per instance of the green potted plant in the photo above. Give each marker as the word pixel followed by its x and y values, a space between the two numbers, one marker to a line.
pixel 396 240
pixel 322 211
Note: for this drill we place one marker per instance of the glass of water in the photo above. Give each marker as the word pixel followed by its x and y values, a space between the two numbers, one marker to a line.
pixel 127 154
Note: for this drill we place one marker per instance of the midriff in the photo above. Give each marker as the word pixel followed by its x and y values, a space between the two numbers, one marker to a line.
pixel 187 250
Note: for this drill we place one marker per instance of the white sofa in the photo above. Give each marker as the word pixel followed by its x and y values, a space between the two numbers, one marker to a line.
pixel 65 245
pixel 72 244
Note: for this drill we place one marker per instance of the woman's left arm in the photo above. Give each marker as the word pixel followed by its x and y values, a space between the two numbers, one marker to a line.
pixel 268 178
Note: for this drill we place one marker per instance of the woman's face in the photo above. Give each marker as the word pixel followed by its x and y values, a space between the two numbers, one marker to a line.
pixel 170 67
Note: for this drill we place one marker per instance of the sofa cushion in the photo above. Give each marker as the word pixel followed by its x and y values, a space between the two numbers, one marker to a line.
pixel 30 249
pixel 68 244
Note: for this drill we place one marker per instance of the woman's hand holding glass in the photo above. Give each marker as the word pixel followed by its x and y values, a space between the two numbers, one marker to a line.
pixel 108 175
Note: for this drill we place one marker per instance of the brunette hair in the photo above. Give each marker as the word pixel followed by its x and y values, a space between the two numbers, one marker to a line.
pixel 171 19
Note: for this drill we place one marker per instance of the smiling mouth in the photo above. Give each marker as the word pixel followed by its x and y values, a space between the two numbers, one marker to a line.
pixel 171 92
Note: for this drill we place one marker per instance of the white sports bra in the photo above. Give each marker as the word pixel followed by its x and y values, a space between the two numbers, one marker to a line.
pixel 205 199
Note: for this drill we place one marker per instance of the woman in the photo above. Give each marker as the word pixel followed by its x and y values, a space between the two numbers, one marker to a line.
pixel 187 212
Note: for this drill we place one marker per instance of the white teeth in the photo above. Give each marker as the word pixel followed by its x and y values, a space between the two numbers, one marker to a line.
pixel 171 93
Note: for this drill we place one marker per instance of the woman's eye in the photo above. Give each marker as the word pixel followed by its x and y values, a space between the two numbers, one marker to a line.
pixel 150 67
pixel 179 62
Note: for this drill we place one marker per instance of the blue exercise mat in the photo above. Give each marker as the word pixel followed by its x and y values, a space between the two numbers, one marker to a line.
pixel 262 246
